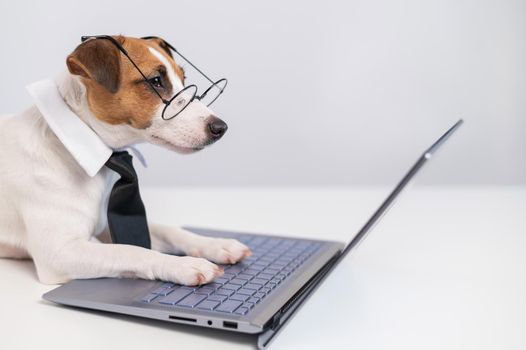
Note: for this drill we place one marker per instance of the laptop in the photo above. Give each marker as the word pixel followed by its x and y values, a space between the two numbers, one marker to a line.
pixel 257 295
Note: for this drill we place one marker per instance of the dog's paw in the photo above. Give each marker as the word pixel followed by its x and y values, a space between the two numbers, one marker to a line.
pixel 221 250
pixel 192 271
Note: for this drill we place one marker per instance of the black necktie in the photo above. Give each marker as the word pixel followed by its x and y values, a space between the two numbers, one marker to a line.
pixel 126 214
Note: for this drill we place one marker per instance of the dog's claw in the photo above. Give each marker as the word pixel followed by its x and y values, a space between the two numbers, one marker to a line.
pixel 201 279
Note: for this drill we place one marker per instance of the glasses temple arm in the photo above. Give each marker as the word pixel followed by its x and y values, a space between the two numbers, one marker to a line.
pixel 190 63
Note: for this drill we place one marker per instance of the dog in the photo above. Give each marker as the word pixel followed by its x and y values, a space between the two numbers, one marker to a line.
pixel 54 212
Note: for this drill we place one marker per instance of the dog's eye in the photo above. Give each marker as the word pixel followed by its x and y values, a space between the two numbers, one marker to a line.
pixel 156 81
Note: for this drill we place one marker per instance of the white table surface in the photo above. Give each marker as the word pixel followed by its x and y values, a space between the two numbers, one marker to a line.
pixel 445 269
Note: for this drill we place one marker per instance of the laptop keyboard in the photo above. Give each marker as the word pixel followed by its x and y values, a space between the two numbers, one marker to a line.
pixel 244 284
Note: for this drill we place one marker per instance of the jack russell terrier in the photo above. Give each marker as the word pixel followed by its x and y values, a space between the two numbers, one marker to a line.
pixel 54 185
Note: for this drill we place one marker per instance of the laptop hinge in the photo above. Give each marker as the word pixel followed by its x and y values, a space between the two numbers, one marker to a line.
pixel 274 322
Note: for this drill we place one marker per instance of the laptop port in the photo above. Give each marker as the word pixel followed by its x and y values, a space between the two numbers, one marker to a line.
pixel 228 324
pixel 187 319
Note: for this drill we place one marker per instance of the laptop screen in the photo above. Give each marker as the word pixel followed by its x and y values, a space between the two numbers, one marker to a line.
pixel 384 207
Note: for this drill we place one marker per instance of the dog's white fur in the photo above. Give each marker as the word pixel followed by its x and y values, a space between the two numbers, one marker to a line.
pixel 53 212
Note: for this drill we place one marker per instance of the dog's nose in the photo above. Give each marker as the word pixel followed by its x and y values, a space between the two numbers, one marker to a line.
pixel 217 127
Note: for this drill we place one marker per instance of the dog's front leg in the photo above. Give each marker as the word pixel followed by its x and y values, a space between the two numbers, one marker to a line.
pixel 62 250
pixel 219 250
pixel 79 259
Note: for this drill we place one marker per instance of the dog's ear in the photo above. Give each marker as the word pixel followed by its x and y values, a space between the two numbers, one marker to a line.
pixel 98 60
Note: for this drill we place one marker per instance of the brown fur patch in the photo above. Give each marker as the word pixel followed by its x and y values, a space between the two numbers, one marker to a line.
pixel 133 102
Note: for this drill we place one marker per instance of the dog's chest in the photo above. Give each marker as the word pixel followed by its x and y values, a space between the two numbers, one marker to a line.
pixel 109 179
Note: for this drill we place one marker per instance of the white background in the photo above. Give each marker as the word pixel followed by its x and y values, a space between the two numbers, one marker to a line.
pixel 321 93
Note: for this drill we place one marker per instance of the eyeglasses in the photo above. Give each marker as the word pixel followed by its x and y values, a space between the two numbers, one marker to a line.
pixel 183 97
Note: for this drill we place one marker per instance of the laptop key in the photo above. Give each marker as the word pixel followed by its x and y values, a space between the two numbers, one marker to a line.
pixel 161 291
pixel 258 240
pixel 217 297
pixel 241 311
pixel 248 305
pixel 228 276
pixel 234 269
pixel 221 280
pixel 250 271
pixel 281 276
pixel 265 290
pixel 271 285
pixel 231 286
pixel 208 304
pixel 175 296
pixel 240 297
pixel 225 291
pixel 281 263
pixel 253 286
pixel 213 285
pixel 259 281
pixel 253 300
pixel 259 295
pixel 192 300
pixel 248 261
pixel 191 289
pixel 287 271
pixel 238 281
pixel 229 306
pixel 246 291
pixel 275 281
pixel 266 259
pixel 148 298
pixel 245 276
pixel 205 290
pixel 265 276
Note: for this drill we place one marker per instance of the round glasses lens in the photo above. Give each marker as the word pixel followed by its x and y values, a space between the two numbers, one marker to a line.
pixel 213 92
pixel 179 102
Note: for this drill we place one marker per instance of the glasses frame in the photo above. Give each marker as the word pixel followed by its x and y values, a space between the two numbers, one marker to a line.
pixel 187 88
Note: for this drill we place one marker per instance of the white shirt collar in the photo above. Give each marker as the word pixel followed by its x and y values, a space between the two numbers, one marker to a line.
pixel 79 139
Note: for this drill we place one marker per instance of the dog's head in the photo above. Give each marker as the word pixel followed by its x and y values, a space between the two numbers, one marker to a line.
pixel 119 96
